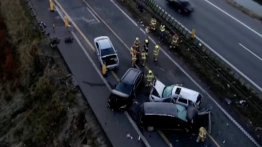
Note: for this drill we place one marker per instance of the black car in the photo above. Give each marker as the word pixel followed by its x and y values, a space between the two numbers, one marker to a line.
pixel 166 116
pixel 122 95
pixel 182 6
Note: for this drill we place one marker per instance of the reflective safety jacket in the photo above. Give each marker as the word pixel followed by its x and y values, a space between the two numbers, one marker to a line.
pixel 143 54
pixel 153 21
pixel 156 52
pixel 131 50
pixel 202 132
pixel 149 77
pixel 133 56
pixel 162 28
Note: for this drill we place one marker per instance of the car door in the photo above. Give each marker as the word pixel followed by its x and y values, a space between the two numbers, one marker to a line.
pixel 138 81
pixel 97 50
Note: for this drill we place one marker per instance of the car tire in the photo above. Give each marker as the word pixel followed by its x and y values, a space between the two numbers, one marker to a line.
pixel 150 128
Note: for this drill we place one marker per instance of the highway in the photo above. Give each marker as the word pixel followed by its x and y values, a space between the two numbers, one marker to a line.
pixel 231 33
pixel 91 19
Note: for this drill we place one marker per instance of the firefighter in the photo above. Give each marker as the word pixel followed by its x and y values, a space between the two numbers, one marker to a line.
pixel 133 47
pixel 149 78
pixel 153 24
pixel 202 134
pixel 104 70
pixel 133 58
pixel 174 41
pixel 143 56
pixel 156 52
pixel 146 49
pixel 162 31
pixel 137 43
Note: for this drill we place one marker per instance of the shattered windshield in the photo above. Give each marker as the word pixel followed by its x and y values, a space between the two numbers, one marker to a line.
pixel 107 51
pixel 167 91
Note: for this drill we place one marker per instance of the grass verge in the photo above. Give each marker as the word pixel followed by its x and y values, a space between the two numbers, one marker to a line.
pixel 37 105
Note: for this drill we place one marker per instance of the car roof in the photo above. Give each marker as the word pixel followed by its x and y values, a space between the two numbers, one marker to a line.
pixel 104 42
pixel 166 109
pixel 186 93
pixel 130 76
pixel 160 108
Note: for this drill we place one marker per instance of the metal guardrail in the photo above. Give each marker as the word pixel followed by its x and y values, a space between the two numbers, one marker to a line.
pixel 219 75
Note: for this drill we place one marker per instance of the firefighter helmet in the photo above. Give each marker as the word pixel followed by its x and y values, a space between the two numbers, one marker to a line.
pixel 150 71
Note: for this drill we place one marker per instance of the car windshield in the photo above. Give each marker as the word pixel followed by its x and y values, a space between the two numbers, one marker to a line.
pixel 107 51
pixel 185 4
pixel 127 89
pixel 167 91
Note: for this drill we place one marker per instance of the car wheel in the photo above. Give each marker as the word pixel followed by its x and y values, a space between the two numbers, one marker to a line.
pixel 150 128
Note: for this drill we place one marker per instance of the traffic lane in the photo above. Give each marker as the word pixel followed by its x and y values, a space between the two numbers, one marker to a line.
pixel 217 36
pixel 92 28
pixel 96 92
pixel 92 31
pixel 115 125
pixel 123 20
pixel 249 21
pixel 156 69
pixel 150 135
pixel 212 25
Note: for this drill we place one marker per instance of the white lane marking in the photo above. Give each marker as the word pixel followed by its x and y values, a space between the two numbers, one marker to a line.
pixel 109 88
pixel 107 85
pixel 234 18
pixel 216 53
pixel 124 13
pixel 250 51
pixel 202 89
pixel 93 15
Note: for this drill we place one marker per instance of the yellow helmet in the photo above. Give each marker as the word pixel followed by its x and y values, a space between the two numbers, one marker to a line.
pixel 137 38
pixel 150 71
pixel 146 40
pixel 157 46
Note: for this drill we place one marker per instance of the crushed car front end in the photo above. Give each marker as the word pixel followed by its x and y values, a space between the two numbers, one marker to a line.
pixel 111 61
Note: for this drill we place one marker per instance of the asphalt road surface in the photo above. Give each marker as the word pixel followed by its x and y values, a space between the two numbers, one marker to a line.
pixel 234 35
pixel 98 18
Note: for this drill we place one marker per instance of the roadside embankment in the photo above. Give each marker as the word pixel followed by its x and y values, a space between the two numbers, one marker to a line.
pixel 39 105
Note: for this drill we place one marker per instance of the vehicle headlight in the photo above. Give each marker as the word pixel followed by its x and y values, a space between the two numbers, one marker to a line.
pixel 124 106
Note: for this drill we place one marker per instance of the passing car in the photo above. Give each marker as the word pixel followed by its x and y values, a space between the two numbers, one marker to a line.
pixel 106 52
pixel 182 6
pixel 125 90
pixel 174 94
pixel 166 116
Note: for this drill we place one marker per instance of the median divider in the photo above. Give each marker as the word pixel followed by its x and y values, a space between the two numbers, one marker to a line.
pixel 220 77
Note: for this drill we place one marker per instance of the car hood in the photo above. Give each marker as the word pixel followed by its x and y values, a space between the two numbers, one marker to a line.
pixel 159 86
